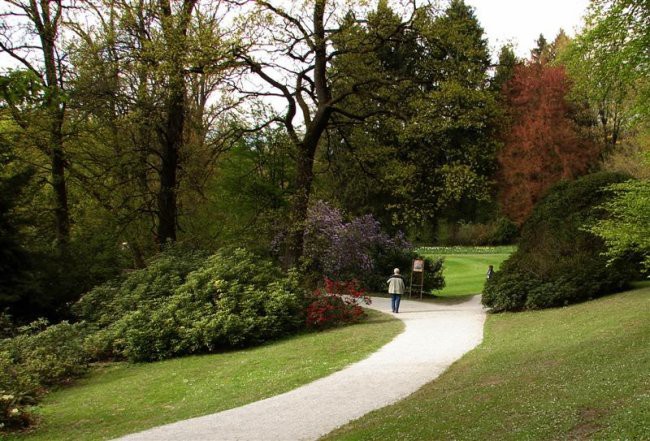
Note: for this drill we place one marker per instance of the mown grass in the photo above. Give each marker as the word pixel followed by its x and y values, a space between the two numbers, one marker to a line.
pixel 580 372
pixel 122 398
pixel 465 267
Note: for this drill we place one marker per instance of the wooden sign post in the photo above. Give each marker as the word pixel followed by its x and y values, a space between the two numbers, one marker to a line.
pixel 417 272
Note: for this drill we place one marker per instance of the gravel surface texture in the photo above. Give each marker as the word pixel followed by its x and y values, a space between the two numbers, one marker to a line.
pixel 436 334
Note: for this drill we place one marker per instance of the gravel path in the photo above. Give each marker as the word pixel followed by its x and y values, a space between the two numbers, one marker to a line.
pixel 436 334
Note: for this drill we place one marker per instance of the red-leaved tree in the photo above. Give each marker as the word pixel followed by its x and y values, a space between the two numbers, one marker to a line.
pixel 544 142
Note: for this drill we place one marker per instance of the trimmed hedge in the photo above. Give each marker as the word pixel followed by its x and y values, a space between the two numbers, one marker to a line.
pixel 558 262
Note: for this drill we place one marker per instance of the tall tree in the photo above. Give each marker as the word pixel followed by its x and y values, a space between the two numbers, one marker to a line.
pixel 149 73
pixel 505 67
pixel 30 33
pixel 432 149
pixel 297 69
pixel 174 26
pixel 608 64
pixel 543 143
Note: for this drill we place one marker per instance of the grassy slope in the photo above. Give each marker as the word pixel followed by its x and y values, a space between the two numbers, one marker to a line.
pixel 581 372
pixel 122 398
pixel 464 271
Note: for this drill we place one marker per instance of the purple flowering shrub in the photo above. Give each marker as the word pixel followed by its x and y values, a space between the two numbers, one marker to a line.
pixel 358 249
pixel 344 249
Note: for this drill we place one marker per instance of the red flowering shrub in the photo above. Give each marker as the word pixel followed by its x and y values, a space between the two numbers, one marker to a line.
pixel 338 302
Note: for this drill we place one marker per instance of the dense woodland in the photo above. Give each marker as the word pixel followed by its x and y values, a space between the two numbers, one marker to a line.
pixel 127 126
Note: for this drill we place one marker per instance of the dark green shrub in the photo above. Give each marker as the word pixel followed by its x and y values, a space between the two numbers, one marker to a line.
pixel 500 231
pixel 557 261
pixel 18 390
pixel 433 277
pixel 7 326
pixel 233 299
pixel 504 232
pixel 507 290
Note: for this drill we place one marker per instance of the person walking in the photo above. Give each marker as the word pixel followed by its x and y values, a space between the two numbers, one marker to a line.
pixel 396 288
pixel 490 272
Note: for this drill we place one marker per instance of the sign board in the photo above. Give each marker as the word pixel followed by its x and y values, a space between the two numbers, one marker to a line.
pixel 418 266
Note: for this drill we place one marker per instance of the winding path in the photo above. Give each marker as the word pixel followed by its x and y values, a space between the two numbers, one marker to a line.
pixel 436 334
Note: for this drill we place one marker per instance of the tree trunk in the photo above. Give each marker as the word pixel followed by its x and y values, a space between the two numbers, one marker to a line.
pixel 307 149
pixel 176 109
pixel 56 115
pixel 62 216
pixel 303 184
pixel 300 204
pixel 172 140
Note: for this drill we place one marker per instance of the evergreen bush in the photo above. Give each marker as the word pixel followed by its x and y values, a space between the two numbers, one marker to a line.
pixel 38 357
pixel 558 262
pixel 230 299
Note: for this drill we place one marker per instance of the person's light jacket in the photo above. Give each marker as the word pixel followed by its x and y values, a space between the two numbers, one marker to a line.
pixel 396 285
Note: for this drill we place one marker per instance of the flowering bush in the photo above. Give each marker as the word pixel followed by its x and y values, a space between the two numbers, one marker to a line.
pixel 18 390
pixel 357 249
pixel 338 302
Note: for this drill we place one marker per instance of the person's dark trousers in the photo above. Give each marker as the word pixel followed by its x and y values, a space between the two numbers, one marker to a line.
pixel 394 302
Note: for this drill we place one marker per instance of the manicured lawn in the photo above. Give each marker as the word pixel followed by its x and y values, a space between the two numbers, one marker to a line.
pixel 465 267
pixel 122 398
pixel 580 372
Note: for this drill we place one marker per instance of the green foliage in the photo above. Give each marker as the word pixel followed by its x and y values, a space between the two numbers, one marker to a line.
pixel 433 271
pixel 184 303
pixel 430 146
pixel 505 68
pixel 17 391
pixel 433 275
pixel 162 276
pixel 246 197
pixel 15 260
pixel 153 394
pixel 557 261
pixel 501 231
pixel 52 354
pixel 627 226
pixel 40 356
pixel 7 326
pixel 505 232
pixel 607 62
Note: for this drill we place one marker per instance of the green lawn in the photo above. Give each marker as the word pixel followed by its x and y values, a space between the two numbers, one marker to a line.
pixel 581 372
pixel 122 398
pixel 465 267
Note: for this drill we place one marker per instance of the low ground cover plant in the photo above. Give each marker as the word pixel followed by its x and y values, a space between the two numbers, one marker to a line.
pixel 558 261
pixel 500 231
